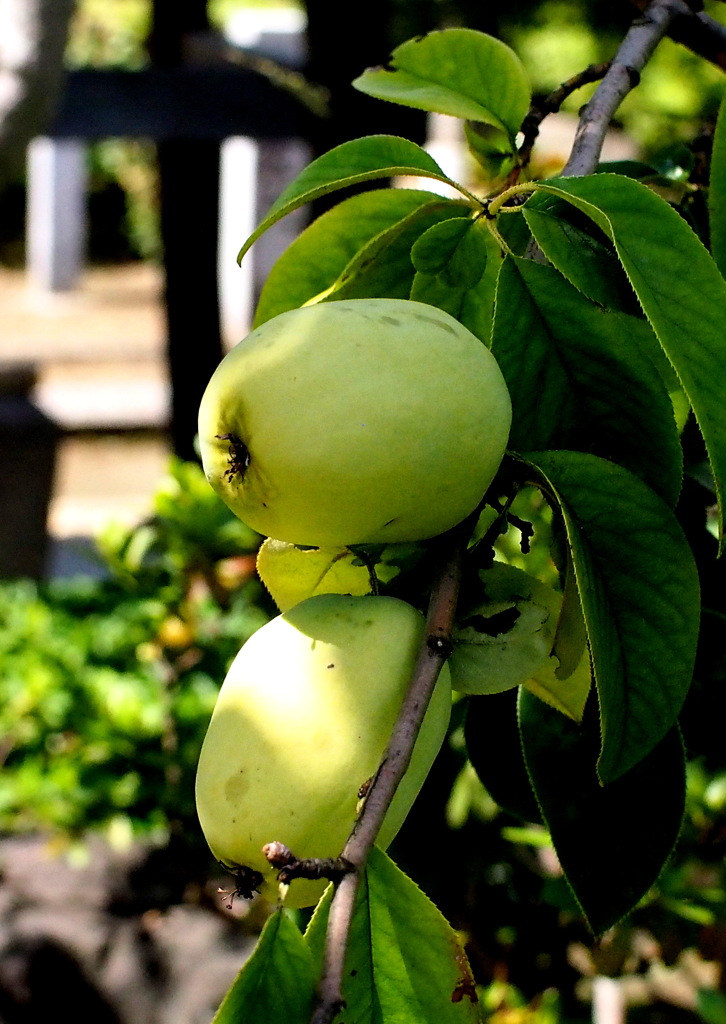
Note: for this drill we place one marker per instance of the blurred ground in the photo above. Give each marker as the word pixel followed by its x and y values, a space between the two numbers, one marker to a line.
pixel 112 938
pixel 99 355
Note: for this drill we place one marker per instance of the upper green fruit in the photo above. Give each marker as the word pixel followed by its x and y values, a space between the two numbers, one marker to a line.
pixel 301 723
pixel 357 421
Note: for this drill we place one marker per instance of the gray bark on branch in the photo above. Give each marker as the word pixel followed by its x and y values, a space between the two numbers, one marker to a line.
pixel 624 74
pixel 697 32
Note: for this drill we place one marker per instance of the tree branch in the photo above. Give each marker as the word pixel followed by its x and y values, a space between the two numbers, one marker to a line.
pixel 698 32
pixel 550 105
pixel 434 650
pixel 623 75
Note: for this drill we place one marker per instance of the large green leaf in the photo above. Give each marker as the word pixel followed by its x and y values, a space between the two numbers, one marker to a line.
pixel 678 285
pixel 319 255
pixel 612 840
pixel 405 964
pixel 278 981
pixel 581 377
pixel 366 159
pixel 717 192
pixel 456 71
pixel 640 597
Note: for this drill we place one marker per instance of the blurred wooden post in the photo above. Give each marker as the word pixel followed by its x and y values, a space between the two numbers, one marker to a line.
pixel 56 215
pixel 254 172
pixel 189 194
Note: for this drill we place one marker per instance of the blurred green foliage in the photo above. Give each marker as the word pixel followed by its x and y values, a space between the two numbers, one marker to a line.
pixel 109 33
pixel 106 686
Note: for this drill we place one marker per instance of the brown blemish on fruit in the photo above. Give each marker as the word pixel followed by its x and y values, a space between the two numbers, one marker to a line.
pixel 235 787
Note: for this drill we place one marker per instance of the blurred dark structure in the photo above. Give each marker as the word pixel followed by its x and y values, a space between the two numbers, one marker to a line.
pixel 28 443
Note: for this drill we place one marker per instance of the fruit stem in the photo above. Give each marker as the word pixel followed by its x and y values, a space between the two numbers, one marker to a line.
pixel 432 654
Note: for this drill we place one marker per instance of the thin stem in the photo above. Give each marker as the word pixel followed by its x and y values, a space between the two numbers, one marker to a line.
pixel 623 75
pixel 499 201
pixel 433 652
pixel 496 235
pixel 550 105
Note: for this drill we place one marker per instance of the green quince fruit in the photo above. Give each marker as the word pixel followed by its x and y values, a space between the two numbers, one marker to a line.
pixel 300 726
pixel 354 422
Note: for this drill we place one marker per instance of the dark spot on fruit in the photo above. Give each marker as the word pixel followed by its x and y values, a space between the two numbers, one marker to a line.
pixel 331 665
pixel 239 456
pixel 435 323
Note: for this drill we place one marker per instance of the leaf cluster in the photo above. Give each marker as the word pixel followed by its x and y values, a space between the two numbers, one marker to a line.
pixel 590 293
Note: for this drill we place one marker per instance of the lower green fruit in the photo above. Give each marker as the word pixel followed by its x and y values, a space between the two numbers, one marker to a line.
pixel 301 723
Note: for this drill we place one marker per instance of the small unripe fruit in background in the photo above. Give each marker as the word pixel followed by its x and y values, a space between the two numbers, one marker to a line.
pixel 356 421
pixel 301 724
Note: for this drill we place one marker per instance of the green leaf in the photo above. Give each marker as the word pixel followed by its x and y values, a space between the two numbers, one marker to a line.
pixel 711 1006
pixel 611 840
pixel 717 192
pixel 678 285
pixel 405 964
pixel 278 981
pixel 320 254
pixel 640 599
pixel 493 150
pixel 473 307
pixel 495 751
pixel 374 156
pixel 455 250
pixel 434 290
pixel 581 377
pixel 456 71
pixel 292 574
pixel 568 694
pixel 382 268
pixel 580 255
